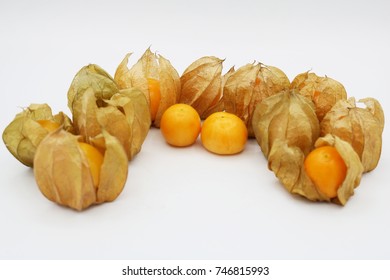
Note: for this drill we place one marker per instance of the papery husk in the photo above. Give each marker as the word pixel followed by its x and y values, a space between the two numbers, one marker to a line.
pixel 361 127
pixel 201 84
pixel 63 175
pixel 24 134
pixel 274 78
pixel 250 85
pixel 131 106
pixel 125 115
pixel 286 116
pixel 153 66
pixel 218 104
pixel 323 91
pixel 287 162
pixel 91 77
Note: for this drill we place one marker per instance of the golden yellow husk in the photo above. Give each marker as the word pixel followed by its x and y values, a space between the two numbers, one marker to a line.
pixel 63 175
pixel 250 85
pixel 287 117
pixel 123 113
pixel 361 127
pixel 152 66
pixel 201 84
pixel 323 91
pixel 24 134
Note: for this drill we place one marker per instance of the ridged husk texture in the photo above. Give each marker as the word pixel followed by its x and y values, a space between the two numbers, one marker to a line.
pixel 323 91
pixel 201 84
pixel 152 66
pixel 63 174
pixel 97 104
pixel 24 134
pixel 250 85
pixel 361 127
pixel 286 117
pixel 287 162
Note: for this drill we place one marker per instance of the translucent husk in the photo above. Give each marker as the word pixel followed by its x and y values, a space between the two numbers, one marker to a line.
pixel 323 91
pixel 361 127
pixel 285 117
pixel 97 104
pixel 63 175
pixel 287 162
pixel 24 134
pixel 92 77
pixel 125 115
pixel 218 104
pixel 250 85
pixel 153 66
pixel 201 84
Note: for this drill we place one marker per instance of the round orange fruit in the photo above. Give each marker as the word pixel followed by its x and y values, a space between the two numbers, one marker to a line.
pixel 180 125
pixel 327 169
pixel 224 133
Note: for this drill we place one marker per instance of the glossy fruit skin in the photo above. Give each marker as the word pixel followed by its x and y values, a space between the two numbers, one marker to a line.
pixel 180 125
pixel 95 160
pixel 155 97
pixel 224 134
pixel 49 125
pixel 327 169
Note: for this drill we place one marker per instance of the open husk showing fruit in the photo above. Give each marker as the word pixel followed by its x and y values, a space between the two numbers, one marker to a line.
pixel 361 127
pixel 287 162
pixel 155 76
pixel 63 171
pixel 24 134
pixel 287 129
pixel 97 104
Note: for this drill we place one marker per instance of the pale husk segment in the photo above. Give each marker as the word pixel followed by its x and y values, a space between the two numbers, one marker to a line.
pixel 24 134
pixel 63 174
pixel 152 66
pixel 201 83
pixel 323 91
pixel 286 116
pixel 114 170
pixel 128 118
pixel 361 127
pixel 287 162
pixel 250 85
pixel 91 77
pixel 124 113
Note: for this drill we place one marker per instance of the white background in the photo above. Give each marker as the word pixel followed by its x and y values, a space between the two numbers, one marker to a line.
pixel 187 203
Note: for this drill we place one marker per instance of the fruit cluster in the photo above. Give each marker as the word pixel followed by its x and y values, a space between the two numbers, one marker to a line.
pixel 317 142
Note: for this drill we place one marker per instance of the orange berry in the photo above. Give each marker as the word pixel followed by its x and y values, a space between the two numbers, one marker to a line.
pixel 155 97
pixel 327 169
pixel 49 125
pixel 224 133
pixel 180 125
pixel 95 160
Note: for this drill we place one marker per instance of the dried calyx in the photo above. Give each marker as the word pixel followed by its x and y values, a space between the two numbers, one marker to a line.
pixel 24 134
pixel 250 85
pixel 97 103
pixel 155 76
pixel 361 127
pixel 71 176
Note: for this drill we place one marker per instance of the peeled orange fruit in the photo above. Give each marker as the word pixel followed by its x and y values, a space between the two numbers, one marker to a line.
pixel 327 169
pixel 180 125
pixel 224 133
